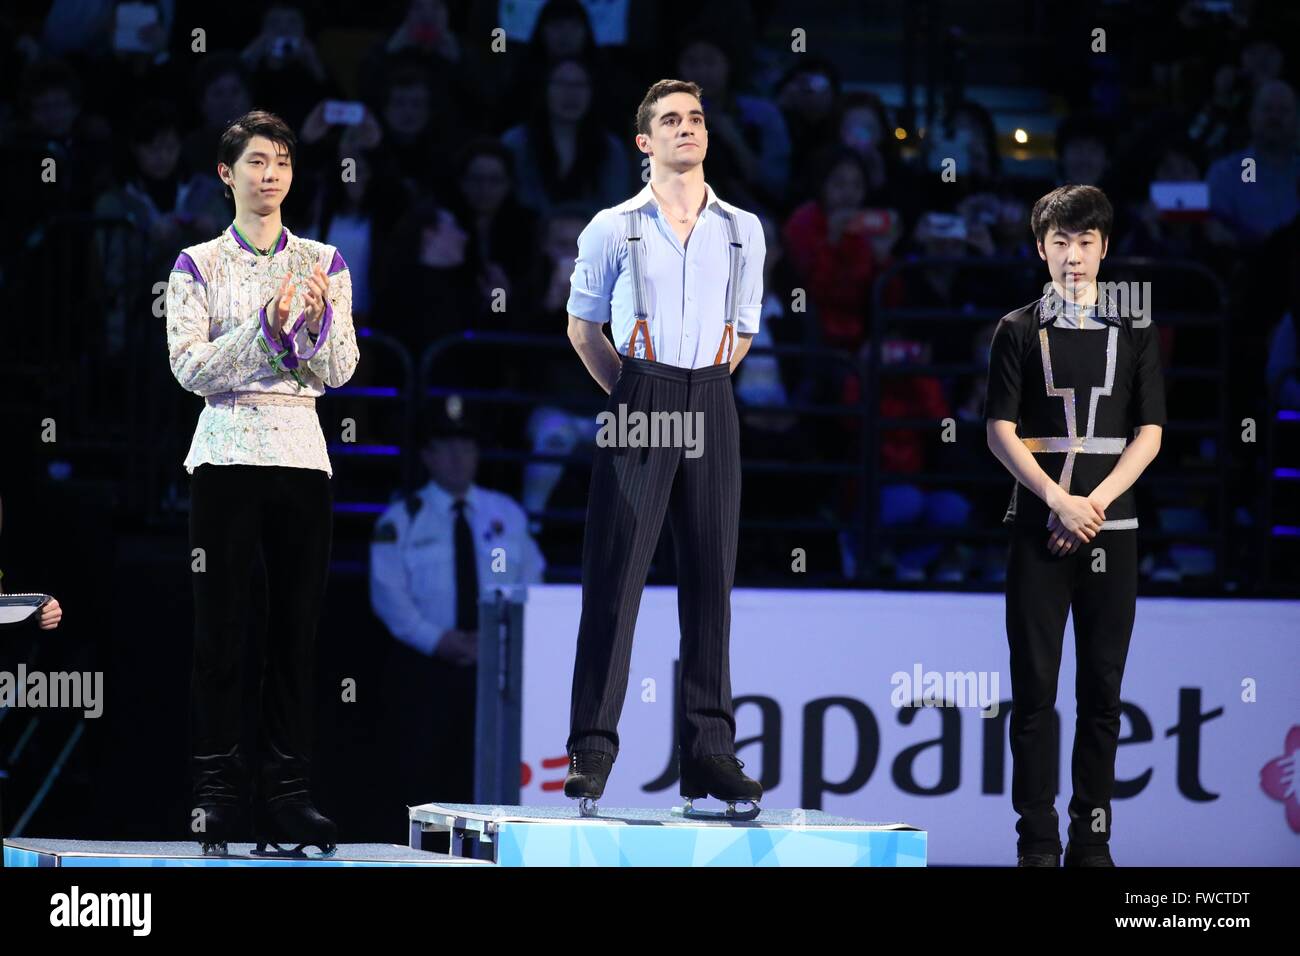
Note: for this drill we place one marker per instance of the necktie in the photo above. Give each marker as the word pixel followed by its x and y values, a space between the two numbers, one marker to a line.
pixel 466 573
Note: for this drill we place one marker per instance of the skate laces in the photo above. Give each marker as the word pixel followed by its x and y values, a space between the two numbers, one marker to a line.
pixel 585 761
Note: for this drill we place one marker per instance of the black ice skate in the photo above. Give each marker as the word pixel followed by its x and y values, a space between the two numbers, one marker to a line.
pixel 588 771
pixel 719 776
pixel 295 825
pixel 214 825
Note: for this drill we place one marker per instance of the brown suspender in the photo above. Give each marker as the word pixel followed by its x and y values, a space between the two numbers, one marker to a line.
pixel 642 326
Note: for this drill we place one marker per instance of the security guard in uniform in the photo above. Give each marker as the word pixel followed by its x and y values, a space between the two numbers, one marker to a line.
pixel 432 555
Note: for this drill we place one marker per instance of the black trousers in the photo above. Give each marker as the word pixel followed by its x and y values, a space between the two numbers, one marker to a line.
pixel 1042 589
pixel 287 514
pixel 631 489
pixel 429 722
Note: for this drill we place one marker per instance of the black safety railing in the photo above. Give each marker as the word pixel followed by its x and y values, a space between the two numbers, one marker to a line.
pixel 91 357
pixel 586 401
pixel 1279 543
pixel 98 365
pixel 1212 317
pixel 393 398
pixel 81 285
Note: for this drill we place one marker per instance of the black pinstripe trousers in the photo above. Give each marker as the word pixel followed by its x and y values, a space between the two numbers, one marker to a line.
pixel 631 489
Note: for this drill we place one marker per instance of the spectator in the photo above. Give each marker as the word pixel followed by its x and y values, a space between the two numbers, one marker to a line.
pixel 903 451
pixel 562 154
pixel 749 148
pixel 1224 119
pixel 426 284
pixel 502 232
pixel 944 284
pixel 988 500
pixel 222 92
pixel 130 67
pixel 555 428
pixel 1256 207
pixel 164 210
pixel 828 243
pixel 1181 237
pixel 1082 151
pixel 425 45
pixel 284 68
pixel 808 94
pixel 346 209
pixel 562 30
pixel 774 381
pixel 767 379
pixel 1283 370
pixel 967 135
pixel 864 126
pixel 74 27
pixel 53 126
pixel 412 115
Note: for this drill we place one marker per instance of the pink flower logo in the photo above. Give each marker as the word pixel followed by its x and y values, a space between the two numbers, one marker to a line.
pixel 1280 778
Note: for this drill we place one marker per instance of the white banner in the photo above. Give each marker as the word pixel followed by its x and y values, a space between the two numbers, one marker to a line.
pixel 824 682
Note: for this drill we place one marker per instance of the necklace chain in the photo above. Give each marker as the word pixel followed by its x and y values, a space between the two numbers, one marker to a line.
pixel 675 216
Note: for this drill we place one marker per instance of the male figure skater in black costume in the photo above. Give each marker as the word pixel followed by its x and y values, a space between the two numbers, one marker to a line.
pixel 261 480
pixel 1075 411
pixel 678 274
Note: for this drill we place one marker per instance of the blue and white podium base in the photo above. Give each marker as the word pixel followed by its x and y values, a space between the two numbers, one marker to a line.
pixel 559 836
pixel 25 852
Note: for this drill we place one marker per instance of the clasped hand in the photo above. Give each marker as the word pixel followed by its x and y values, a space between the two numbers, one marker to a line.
pixel 1075 521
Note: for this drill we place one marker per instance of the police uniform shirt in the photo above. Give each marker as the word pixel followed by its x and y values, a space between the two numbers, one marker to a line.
pixel 1078 383
pixel 413 559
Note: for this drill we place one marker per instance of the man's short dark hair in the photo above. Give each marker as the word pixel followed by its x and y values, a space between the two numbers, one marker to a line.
pixel 646 111
pixel 1072 208
pixel 255 123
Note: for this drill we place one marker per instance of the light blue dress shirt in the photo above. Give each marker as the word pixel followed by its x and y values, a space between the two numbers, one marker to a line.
pixel 686 288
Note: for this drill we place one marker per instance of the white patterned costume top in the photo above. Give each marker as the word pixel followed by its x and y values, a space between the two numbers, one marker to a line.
pixel 259 388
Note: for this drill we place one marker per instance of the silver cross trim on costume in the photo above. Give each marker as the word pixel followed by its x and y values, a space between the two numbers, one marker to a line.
pixel 1072 444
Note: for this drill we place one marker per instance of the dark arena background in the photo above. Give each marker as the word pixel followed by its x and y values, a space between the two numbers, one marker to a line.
pixel 453 151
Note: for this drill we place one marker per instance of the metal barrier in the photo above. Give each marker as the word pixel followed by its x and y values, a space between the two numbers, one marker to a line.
pixel 403 394
pixel 875 372
pixel 593 405
pixel 113 376
pixel 82 281
pixel 1270 534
